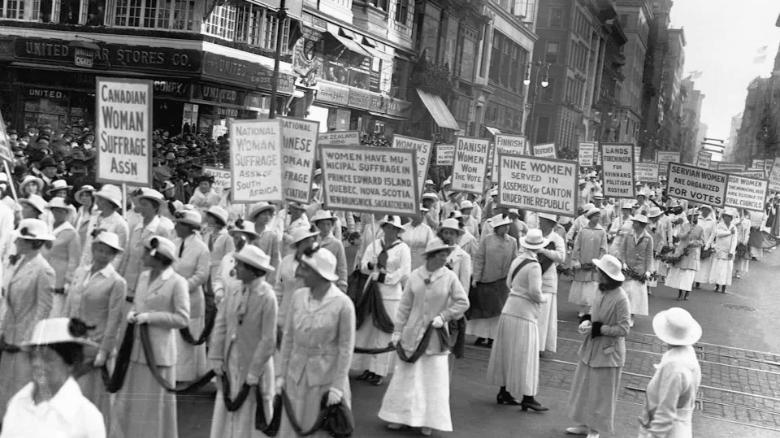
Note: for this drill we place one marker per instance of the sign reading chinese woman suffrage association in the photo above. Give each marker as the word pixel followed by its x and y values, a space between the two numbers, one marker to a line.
pixel 123 110
pixel 299 149
pixel 744 192
pixel 256 160
pixel 423 148
pixel 370 180
pixel 538 184
pixel 471 165
pixel 697 184
pixel 617 164
pixel 586 153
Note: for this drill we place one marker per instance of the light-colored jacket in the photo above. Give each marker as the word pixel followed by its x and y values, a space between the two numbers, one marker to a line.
pixel 637 252
pixel 64 255
pixel 28 298
pixel 399 266
pixel 460 263
pixel 417 237
pixel 286 284
pixel 609 349
pixel 114 223
pixel 590 243
pixel 525 288
pixel 219 244
pixel 492 260
pixel 724 240
pixel 131 265
pixel 167 302
pixel 671 396
pixel 557 255
pixel 690 237
pixel 193 265
pixel 337 249
pixel 427 295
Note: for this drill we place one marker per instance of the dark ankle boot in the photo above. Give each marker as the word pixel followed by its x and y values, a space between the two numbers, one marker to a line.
pixel 723 289
pixel 696 285
pixel 530 403
pixel 505 398
pixel 685 298
pixel 679 295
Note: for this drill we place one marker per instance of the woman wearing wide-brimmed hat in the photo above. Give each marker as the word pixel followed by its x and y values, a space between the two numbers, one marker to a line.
pixel 550 257
pixel 204 196
pixel 261 214
pixel 30 185
pixel 724 241
pixel 602 355
pixel 419 392
pixel 243 233
pixel 687 252
pixel 85 198
pixel 671 393
pixel 317 345
pixel 97 297
pixel 636 253
pixel 417 234
pixel 29 289
pixel 33 207
pixel 217 239
pixel 108 201
pixel 286 281
pixel 589 243
pixel 325 221
pixel 459 260
pixel 64 253
pixel 514 359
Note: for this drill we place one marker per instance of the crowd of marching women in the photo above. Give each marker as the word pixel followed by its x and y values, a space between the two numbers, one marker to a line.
pixel 111 306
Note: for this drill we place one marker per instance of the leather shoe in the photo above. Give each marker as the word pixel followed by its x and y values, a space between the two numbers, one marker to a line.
pixel 577 430
pixel 366 374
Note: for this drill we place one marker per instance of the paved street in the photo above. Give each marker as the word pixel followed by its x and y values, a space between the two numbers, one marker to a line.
pixel 739 397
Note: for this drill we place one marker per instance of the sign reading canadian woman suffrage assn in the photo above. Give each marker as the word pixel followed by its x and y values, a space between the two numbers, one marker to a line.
pixel 370 180
pixel 123 109
pixel 744 192
pixel 539 184
pixel 617 164
pixel 299 149
pixel 256 160
pixel 470 166
pixel 696 184
pixel 423 148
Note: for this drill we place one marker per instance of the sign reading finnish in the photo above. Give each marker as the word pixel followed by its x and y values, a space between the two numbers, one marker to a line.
pixel 744 192
pixel 299 149
pixel 423 148
pixel 256 160
pixel 470 165
pixel 335 138
pixel 586 153
pixel 511 144
pixel 617 164
pixel 696 184
pixel 123 109
pixel 370 180
pixel 538 184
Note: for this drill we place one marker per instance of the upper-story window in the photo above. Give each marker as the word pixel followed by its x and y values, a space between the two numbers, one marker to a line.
pixel 249 24
pixel 155 14
pixel 89 12
pixel 402 11
pixel 381 4
pixel 12 9
pixel 556 17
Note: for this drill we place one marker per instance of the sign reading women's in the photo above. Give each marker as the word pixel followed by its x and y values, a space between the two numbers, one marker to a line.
pixel 423 148
pixel 370 180
pixel 299 152
pixel 256 160
pixel 617 164
pixel 538 184
pixel 744 192
pixel 470 166
pixel 343 138
pixel 696 184
pixel 587 153
pixel 123 110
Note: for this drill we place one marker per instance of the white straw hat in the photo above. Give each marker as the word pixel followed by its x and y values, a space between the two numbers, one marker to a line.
pixel 654 212
pixel 111 193
pixel 676 326
pixel 86 188
pixel 34 229
pixel 218 213
pixel 430 195
pixel 35 202
pixel 611 266
pixel 322 215
pixel 534 239
pixel 58 184
pixel 58 331
pixel 435 245
pixel 150 194
pixel 258 208
pixel 245 227
pixel 189 217
pixel 108 238
pixel 392 220
pixel 59 203
pixel 161 245
pixel 451 224
pixel 300 234
pixel 466 204
pixel 29 179
pixel 254 257
pixel 548 216
pixel 499 220
pixel 640 218
pixel 322 262
pixel 592 211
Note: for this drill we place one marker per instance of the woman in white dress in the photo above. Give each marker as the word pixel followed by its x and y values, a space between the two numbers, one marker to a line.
pixel 589 243
pixel 419 392
pixel 64 253
pixel 417 234
pixel 287 282
pixel 707 223
pixel 724 242
pixel 85 197
pixel 549 258
pixel 742 256
pixel 637 256
pixel 687 254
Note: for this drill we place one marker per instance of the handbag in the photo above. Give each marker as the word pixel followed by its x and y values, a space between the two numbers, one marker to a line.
pixel 356 283
pixel 706 253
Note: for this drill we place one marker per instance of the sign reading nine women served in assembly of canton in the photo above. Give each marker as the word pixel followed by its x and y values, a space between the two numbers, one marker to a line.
pixel 538 184
pixel 123 111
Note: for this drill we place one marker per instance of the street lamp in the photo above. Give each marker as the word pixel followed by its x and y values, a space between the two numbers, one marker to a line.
pixel 533 91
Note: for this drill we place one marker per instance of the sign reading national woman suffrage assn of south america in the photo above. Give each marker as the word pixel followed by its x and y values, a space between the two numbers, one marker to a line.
pixel 123 109
pixel 256 160
pixel 370 180
pixel 697 184
pixel 539 184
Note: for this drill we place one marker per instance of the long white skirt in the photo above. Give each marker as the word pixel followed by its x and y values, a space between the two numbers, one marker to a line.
pixel 419 394
pixel 743 265
pixel 548 324
pixel 721 271
pixel 680 279
pixel 483 328
pixel 368 336
pixel 514 359
pixel 703 274
pixel 637 297
pixel 191 363
pixel 583 293
pixel 655 267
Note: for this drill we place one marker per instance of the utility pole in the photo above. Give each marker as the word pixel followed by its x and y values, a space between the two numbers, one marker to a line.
pixel 281 15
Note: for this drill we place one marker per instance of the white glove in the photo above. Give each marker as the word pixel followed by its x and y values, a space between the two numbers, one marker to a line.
pixel 584 327
pixel 131 317
pixel 142 318
pixel 279 384
pixel 577 265
pixel 395 337
pixel 334 396
pixel 437 322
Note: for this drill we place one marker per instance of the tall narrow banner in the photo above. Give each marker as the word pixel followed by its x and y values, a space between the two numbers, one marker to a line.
pixel 744 192
pixel 299 153
pixel 665 157
pixel 617 166
pixel 470 165
pixel 123 109
pixel 774 176
pixel 646 172
pixel 587 151
pixel 222 178
pixel 538 184
pixel 423 148
pixel 370 180
pixel 598 154
pixel 256 160
pixel 546 150
pixel 445 154
pixel 339 138
pixel 704 159
pixel 696 184
pixel 511 144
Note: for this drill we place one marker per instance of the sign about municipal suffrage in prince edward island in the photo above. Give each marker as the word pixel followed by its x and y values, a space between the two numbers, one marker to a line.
pixel 123 112
pixel 538 184
pixel 370 180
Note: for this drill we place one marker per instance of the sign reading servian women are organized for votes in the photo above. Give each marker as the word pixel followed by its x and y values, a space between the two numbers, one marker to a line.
pixel 123 109
pixel 697 184
pixel 256 160
pixel 370 180
pixel 540 184
pixel 617 164
pixel 470 165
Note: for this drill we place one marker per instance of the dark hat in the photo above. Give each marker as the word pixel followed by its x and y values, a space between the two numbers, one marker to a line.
pixel 48 162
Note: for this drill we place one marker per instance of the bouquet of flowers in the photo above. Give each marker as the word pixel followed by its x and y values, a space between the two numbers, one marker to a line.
pixel 633 275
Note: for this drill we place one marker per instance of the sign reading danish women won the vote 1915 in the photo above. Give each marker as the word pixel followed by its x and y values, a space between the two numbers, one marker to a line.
pixel 744 192
pixel 538 184
pixel 470 165
pixel 423 148
pixel 256 160
pixel 299 152
pixel 696 184
pixel 370 180
pixel 617 164
pixel 123 112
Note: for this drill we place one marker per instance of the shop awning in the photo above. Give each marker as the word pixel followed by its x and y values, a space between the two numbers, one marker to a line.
pixel 438 109
pixel 348 43
pixel 491 130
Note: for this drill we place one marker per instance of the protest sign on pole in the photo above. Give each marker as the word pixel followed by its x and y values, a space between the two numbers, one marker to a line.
pixel 339 138
pixel 744 192
pixel 646 172
pixel 511 144
pixel 222 178
pixel 704 159
pixel 299 152
pixel 546 150
pixel 696 184
pixel 470 165
pixel 617 165
pixel 774 176
pixel 445 154
pixel 665 157
pixel 538 184
pixel 5 144
pixel 256 160
pixel 637 154
pixel 586 153
pixel 123 138
pixel 370 180
pixel 768 167
pixel 423 148
pixel 730 167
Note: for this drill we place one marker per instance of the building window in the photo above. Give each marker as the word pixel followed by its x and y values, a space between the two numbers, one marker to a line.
pixel 551 55
pixel 556 17
pixel 222 22
pixel 381 4
pixel 12 9
pixel 248 24
pixel 156 14
pixel 525 9
pixel 402 11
